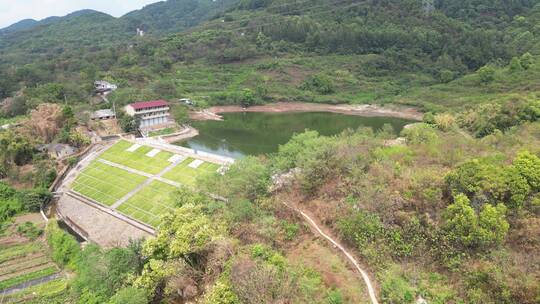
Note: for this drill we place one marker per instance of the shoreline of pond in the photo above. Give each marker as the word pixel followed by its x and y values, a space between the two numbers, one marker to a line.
pixel 364 110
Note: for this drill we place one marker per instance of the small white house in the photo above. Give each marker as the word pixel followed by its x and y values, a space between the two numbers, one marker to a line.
pixel 187 101
pixel 102 86
pixel 103 114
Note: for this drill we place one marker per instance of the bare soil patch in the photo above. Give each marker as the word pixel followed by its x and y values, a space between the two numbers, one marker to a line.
pixel 34 218
pixel 283 107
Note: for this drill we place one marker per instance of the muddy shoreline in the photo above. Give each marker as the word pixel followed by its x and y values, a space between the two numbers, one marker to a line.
pixel 212 113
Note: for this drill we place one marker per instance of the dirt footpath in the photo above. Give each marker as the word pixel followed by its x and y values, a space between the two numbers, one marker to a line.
pixel 282 107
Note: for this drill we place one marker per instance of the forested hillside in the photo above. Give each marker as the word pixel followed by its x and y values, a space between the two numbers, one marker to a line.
pixel 449 213
pixel 320 51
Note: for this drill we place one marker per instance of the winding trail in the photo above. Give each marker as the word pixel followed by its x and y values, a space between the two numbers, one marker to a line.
pixel 349 256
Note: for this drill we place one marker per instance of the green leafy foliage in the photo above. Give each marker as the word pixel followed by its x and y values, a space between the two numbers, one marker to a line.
pixel 101 273
pixel 186 231
pixel 248 178
pixel 29 230
pixel 221 293
pixel 65 249
pixel 486 74
pixel 469 229
pixel 528 165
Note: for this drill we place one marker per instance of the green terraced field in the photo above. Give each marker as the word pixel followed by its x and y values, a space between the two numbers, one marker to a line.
pixel 106 184
pixel 149 204
pixel 185 175
pixel 137 160
pixel 43 292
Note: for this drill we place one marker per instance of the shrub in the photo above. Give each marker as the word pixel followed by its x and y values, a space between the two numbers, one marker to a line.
pixel 291 230
pixel 241 211
pixel 395 289
pixel 515 65
pixel 318 83
pixel 32 200
pixel 528 166
pixel 446 76
pixel 29 230
pixel 445 121
pixel 467 229
pixel 486 74
pixel 420 134
pixel 65 249
pixel 526 60
pixel 261 251
pixel 334 296
pixel 129 295
pixel 248 178
pixel 221 293
pixel 487 180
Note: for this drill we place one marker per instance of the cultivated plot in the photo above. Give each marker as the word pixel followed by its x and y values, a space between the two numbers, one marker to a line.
pixel 106 184
pixel 143 158
pixel 24 261
pixel 150 203
pixel 184 174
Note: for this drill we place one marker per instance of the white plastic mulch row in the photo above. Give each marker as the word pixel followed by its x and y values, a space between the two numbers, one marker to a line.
pixel 133 148
pixel 153 153
pixel 196 164
pixel 176 158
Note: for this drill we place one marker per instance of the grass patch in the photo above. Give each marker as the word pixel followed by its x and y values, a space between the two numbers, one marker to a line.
pixel 186 175
pixel 28 277
pixel 161 132
pixel 11 120
pixel 106 184
pixel 149 204
pixel 137 160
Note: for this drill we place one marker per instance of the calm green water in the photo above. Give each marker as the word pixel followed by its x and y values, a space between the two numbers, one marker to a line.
pixel 241 134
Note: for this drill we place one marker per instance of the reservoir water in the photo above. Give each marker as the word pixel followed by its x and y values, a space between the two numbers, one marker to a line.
pixel 253 133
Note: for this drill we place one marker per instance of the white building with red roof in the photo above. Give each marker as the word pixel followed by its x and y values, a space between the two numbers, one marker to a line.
pixel 149 113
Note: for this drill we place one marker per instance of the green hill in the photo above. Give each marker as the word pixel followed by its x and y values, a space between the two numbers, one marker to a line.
pixel 361 51
pixel 450 212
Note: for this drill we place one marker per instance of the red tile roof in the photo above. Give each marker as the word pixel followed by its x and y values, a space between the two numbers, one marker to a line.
pixel 149 104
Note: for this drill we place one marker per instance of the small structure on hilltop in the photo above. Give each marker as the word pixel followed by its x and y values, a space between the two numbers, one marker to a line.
pixel 103 86
pixel 140 32
pixel 57 151
pixel 187 101
pixel 151 114
pixel 103 114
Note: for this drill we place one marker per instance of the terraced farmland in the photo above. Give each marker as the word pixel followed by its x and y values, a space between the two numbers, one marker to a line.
pixel 26 270
pixel 139 180
pixel 106 184
pixel 187 175
pixel 137 159
pixel 149 204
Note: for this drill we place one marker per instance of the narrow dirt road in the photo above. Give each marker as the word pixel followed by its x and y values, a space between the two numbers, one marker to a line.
pixel 349 256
